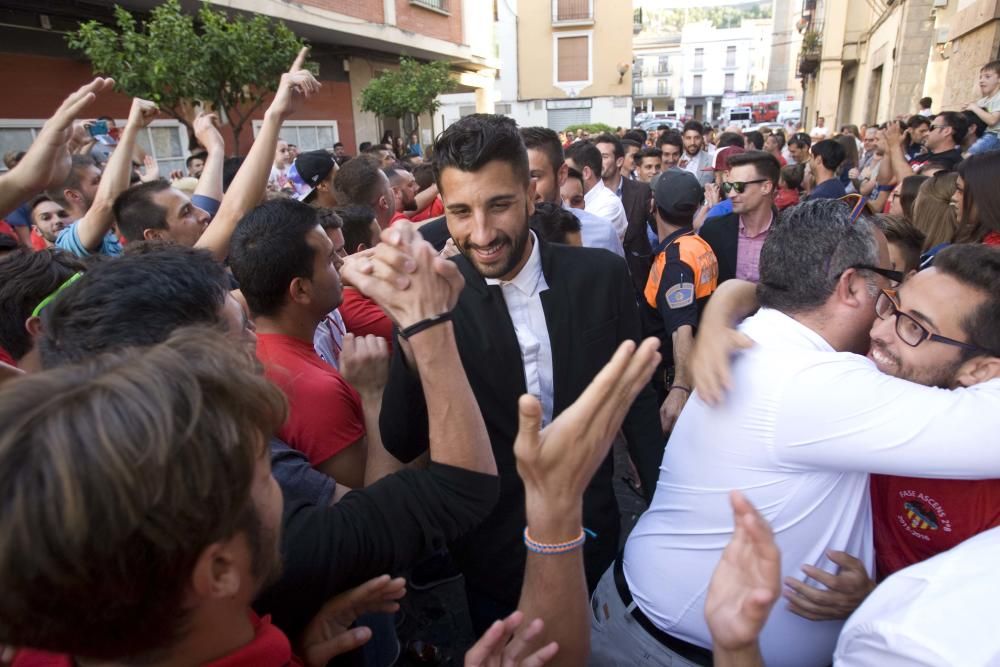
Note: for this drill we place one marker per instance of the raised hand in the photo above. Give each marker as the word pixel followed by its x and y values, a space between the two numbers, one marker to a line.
pixel 151 171
pixel 502 646
pixel 329 634
pixel 296 85
pixel 746 582
pixel 844 592
pixel 206 131
pixel 364 363
pixel 142 113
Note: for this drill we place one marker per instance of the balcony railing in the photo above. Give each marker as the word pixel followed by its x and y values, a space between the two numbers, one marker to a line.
pixel 438 5
pixel 572 11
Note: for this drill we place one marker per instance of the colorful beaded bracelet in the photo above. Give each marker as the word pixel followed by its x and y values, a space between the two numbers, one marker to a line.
pixel 563 547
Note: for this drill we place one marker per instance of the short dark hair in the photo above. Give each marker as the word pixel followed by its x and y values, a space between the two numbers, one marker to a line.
pixel 648 152
pixel 925 102
pixel 230 166
pixel 135 211
pixel 195 156
pixel 766 165
pixel 339 143
pixel 606 138
pixel 980 212
pixel 575 174
pixel 628 143
pixel 72 182
pixel 585 154
pixel 805 255
pixel 693 125
pixel 916 120
pixel 137 299
pixel 800 139
pixel 992 66
pixel 364 146
pixel 269 250
pixel 755 138
pixel 358 181
pixel 900 231
pixel 545 140
pixel 830 153
pixel 639 136
pixel 357 226
pixel 976 124
pixel 727 139
pixel 423 174
pixel 551 222
pixel 957 122
pixel 26 278
pixel 977 266
pixel 793 174
pixel 672 138
pixel 328 219
pixel 478 139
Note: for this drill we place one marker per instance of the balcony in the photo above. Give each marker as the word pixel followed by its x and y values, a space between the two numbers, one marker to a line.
pixel 440 6
pixel 572 12
pixel 637 21
pixel 812 50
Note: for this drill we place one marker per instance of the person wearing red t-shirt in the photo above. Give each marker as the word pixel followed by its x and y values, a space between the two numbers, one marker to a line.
pixel 361 315
pixel 48 218
pixel 404 189
pixel 287 268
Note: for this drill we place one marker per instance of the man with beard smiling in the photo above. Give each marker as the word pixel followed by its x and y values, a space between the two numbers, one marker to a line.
pixel 533 318
pixel 798 435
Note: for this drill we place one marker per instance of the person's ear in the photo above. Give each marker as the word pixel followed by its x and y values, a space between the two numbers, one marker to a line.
pixel 852 289
pixel 562 174
pixel 152 234
pixel 619 162
pixel 361 247
pixel 300 290
pixel 976 370
pixel 532 188
pixel 33 325
pixel 215 574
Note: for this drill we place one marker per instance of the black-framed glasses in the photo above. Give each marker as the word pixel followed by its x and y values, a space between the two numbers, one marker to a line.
pixel 894 276
pixel 739 186
pixel 910 331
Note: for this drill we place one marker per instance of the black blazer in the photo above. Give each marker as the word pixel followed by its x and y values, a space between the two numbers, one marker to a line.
pixel 636 196
pixel 589 309
pixel 722 233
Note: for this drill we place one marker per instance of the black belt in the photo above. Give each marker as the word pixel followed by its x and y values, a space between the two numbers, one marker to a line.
pixel 686 650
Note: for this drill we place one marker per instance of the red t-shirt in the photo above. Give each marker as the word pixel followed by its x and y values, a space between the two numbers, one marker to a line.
pixel 325 415
pixel 5 228
pixel 786 197
pixel 269 648
pixel 398 215
pixel 433 210
pixel 38 241
pixel 362 316
pixel 6 358
pixel 915 519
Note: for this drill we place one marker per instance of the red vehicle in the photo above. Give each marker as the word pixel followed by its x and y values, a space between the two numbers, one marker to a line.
pixel 765 112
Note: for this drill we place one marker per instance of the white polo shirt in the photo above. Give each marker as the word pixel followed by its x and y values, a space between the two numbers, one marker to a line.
pixel 604 203
pixel 798 435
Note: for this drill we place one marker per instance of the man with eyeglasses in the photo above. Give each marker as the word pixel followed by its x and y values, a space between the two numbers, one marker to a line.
pixel 737 238
pixel 944 141
pixel 798 434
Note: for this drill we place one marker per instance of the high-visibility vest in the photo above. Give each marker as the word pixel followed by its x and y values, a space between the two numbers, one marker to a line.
pixel 694 252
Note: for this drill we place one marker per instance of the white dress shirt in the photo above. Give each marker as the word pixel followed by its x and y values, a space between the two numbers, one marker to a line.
pixel 798 434
pixel 698 165
pixel 524 304
pixel 597 232
pixel 938 612
pixel 603 203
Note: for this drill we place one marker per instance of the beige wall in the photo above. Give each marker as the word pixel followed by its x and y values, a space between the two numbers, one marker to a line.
pixel 975 38
pixel 611 43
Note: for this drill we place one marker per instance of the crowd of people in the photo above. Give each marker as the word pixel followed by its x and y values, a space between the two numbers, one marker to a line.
pixel 243 407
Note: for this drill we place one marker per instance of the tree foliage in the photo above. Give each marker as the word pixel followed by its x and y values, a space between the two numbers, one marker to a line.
pixel 727 16
pixel 591 128
pixel 413 89
pixel 228 63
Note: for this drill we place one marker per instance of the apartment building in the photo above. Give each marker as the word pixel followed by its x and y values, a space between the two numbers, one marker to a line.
pixel 353 41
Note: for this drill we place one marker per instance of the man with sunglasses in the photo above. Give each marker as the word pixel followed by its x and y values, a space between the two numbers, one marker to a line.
pixel 798 434
pixel 737 238
pixel 943 142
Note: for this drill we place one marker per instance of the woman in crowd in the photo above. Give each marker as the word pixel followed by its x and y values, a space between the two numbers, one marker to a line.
pixel 977 199
pixel 933 213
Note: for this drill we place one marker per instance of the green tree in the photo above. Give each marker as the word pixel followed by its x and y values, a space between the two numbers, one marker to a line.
pixel 413 89
pixel 230 64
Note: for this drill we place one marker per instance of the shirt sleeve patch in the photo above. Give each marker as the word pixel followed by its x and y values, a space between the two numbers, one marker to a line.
pixel 680 295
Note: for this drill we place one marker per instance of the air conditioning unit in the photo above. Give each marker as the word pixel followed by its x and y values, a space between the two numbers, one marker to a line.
pixel 940 3
pixel 941 36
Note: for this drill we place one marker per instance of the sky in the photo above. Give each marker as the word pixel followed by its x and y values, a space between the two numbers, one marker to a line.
pixel 683 4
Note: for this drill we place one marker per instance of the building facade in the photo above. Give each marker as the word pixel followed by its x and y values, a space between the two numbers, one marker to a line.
pixel 656 73
pixel 352 41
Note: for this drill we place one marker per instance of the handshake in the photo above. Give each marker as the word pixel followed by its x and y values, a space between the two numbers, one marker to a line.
pixel 406 277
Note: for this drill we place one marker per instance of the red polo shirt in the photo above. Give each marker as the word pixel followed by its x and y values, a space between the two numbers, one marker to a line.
pixel 325 414
pixel 362 316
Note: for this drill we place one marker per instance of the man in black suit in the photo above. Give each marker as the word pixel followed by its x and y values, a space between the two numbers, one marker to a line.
pixel 533 318
pixel 636 198
pixel 736 238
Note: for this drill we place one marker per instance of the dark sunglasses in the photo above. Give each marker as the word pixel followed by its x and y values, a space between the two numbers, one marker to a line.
pixel 739 186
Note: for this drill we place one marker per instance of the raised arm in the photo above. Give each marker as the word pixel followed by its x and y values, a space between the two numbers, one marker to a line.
pixel 98 221
pixel 47 162
pixel 718 340
pixel 206 129
pixel 556 464
pixel 247 188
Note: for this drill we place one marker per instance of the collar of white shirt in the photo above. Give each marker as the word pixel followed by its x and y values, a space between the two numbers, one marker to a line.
pixel 596 192
pixel 529 280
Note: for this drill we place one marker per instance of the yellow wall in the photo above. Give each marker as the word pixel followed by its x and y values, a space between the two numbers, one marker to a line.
pixel 611 35
pixel 975 41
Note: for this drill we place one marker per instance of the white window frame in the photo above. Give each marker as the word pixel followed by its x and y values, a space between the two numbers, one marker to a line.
pixel 302 123
pixel 572 88
pixel 571 22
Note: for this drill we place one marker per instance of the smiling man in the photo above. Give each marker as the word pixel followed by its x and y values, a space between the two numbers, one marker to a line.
pixel 533 318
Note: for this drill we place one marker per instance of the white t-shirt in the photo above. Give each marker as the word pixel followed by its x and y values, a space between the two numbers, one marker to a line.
pixel 991 104
pixel 942 611
pixel 820 132
pixel 798 435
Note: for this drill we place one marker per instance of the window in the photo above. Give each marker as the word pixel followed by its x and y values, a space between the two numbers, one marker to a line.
pixel 729 83
pixel 662 87
pixel 466 110
pixel 637 87
pixel 572 10
pixel 699 58
pixel 438 5
pixel 663 65
pixel 696 86
pixel 730 57
pixel 308 135
pixel 573 58
pixel 165 140
pixel 502 109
